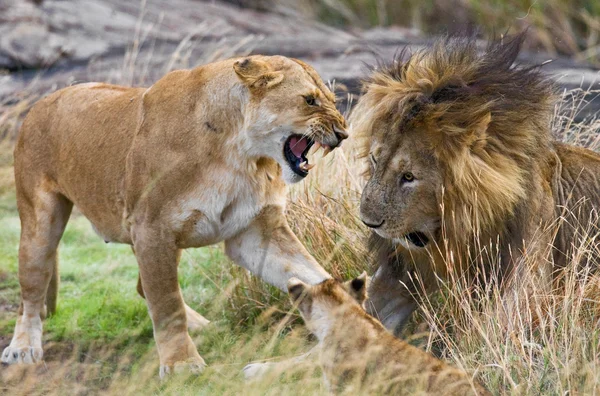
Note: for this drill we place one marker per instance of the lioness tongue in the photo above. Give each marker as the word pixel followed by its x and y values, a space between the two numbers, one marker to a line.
pixel 298 145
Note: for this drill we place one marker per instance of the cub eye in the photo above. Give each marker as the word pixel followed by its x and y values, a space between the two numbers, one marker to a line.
pixel 408 177
pixel 310 100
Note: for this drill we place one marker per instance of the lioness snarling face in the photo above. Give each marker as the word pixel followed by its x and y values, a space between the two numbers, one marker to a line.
pixel 359 356
pixel 200 157
pixel 285 127
pixel 462 173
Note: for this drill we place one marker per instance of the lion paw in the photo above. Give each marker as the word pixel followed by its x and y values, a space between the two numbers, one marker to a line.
pixel 254 371
pixel 182 368
pixel 25 355
pixel 26 344
pixel 195 321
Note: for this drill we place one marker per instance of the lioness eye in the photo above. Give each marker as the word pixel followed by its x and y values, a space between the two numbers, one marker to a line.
pixel 310 100
pixel 408 177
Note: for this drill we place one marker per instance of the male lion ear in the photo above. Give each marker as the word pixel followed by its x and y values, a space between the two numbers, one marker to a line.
pixel 256 74
pixel 297 289
pixel 357 287
pixel 479 132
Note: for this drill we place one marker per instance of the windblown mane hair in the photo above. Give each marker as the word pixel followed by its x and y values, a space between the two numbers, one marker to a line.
pixel 485 119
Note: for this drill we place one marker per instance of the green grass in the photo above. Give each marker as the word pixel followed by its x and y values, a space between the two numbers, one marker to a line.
pixel 98 300
pixel 102 329
pixel 100 340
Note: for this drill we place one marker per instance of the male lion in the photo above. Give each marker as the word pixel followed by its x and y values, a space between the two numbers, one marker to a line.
pixel 199 157
pixel 359 356
pixel 461 158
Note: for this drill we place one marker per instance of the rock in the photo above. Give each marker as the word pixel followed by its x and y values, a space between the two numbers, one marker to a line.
pixel 30 45
pixel 136 43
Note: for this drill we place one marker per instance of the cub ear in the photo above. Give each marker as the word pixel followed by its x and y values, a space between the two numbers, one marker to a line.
pixel 357 287
pixel 297 289
pixel 256 74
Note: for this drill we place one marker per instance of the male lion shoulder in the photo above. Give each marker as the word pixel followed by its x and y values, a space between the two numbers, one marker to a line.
pixel 460 156
pixel 359 355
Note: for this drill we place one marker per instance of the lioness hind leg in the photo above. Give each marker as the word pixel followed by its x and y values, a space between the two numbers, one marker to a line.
pixel 195 321
pixel 43 219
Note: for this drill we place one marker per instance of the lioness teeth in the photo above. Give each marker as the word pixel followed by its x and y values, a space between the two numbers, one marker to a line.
pixel 318 146
pixel 306 166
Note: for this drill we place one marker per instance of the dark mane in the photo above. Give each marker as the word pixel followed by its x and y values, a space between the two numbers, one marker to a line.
pixel 454 82
pixel 481 115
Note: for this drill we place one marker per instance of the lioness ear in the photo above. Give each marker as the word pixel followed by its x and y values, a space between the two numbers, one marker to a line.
pixel 297 289
pixel 357 287
pixel 256 74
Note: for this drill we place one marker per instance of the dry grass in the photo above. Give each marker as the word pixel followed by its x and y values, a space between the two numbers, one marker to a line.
pixel 252 321
pixel 569 27
pixel 559 354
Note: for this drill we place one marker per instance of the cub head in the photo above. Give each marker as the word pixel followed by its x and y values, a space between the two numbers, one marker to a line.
pixel 449 137
pixel 323 303
pixel 290 109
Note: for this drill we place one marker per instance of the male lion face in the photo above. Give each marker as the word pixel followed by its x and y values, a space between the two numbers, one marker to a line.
pixel 290 110
pixel 401 198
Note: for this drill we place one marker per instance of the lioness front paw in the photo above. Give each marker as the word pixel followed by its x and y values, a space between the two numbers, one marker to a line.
pixel 25 355
pixel 195 321
pixel 254 371
pixel 186 368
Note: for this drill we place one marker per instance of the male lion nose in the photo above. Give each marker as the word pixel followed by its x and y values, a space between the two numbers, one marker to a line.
pixel 340 134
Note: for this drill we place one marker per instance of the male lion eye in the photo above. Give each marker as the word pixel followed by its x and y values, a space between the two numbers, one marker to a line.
pixel 310 100
pixel 408 177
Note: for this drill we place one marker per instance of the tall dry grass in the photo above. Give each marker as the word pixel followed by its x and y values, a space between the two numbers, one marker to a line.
pixel 568 27
pixel 560 355
pixel 552 343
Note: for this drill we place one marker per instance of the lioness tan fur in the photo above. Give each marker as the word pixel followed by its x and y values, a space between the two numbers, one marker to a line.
pixel 463 173
pixel 201 156
pixel 359 356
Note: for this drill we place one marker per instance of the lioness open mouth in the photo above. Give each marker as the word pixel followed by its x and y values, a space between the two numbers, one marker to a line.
pixel 296 148
pixel 417 238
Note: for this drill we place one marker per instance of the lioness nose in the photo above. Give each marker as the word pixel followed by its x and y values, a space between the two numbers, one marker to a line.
pixel 340 133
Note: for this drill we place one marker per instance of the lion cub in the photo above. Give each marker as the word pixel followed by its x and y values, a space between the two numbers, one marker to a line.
pixel 359 355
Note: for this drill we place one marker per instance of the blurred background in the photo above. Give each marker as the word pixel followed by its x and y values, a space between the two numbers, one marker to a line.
pixel 48 44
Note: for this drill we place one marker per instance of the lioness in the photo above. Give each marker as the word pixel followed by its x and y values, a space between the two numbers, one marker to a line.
pixel 358 355
pixel 201 156
pixel 460 159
